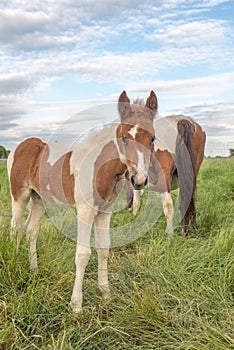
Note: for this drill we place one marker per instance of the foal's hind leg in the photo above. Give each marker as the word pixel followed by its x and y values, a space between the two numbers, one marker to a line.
pixel 18 208
pixel 32 228
pixel 168 209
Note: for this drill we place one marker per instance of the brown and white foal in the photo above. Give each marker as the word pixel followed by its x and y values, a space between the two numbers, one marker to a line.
pixel 87 177
pixel 178 153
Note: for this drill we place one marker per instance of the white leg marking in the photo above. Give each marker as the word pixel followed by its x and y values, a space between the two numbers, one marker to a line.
pixel 83 251
pixel 18 208
pixel 102 227
pixel 136 201
pixel 82 257
pixel 17 221
pixel 32 228
pixel 168 209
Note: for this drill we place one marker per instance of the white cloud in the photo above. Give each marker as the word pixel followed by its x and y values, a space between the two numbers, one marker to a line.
pixel 213 3
pixel 205 87
pixel 14 84
pixel 196 33
pixel 20 22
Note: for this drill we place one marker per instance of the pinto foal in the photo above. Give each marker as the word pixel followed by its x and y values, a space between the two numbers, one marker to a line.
pixel 178 153
pixel 87 178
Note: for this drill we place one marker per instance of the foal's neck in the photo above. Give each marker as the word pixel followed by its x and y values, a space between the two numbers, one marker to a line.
pixel 108 171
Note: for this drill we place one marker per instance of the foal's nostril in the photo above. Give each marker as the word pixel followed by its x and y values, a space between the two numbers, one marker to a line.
pixel 146 181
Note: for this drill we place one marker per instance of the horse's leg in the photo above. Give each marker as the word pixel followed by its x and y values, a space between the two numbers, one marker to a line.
pixel 83 252
pixel 102 237
pixel 129 193
pixel 136 201
pixel 168 209
pixel 18 208
pixel 32 227
pixel 164 188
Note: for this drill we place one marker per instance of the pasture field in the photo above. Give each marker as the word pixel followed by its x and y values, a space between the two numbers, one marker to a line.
pixel 167 293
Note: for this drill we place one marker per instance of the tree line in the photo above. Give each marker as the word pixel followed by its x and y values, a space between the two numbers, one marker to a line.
pixel 4 152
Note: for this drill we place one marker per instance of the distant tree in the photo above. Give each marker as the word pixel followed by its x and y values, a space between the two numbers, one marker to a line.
pixel 3 152
pixel 231 151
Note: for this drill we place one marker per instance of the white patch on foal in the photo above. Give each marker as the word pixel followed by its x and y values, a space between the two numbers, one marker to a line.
pixel 166 133
pixel 141 162
pixel 56 151
pixel 133 131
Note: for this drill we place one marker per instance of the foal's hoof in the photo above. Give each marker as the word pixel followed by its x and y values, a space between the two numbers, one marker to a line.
pixel 75 306
pixel 170 231
pixel 105 291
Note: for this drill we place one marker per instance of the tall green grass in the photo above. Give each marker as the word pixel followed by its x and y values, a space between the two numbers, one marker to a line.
pixel 167 293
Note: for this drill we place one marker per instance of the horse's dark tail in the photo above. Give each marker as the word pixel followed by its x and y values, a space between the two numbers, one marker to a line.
pixel 185 162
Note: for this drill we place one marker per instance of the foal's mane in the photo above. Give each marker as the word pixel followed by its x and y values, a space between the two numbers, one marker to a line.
pixel 139 101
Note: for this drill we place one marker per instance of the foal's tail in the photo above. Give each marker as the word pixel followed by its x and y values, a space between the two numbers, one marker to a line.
pixel 185 159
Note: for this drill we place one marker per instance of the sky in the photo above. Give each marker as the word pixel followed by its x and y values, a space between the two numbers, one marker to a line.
pixel 60 58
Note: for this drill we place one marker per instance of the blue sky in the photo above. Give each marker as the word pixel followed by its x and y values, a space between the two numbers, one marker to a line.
pixel 58 58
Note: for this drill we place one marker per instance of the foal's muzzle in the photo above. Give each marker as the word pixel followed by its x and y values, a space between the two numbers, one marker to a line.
pixel 138 185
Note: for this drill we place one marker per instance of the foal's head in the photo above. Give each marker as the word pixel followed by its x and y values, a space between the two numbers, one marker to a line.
pixel 135 136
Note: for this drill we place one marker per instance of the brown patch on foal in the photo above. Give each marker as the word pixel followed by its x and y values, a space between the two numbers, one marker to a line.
pixel 25 168
pixel 56 182
pixel 31 171
pixel 107 173
pixel 163 167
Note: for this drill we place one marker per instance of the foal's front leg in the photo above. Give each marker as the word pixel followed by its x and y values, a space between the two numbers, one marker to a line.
pixel 102 237
pixel 83 251
pixel 136 201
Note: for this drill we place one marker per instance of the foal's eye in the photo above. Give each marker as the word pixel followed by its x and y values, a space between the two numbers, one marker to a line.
pixel 124 140
pixel 152 140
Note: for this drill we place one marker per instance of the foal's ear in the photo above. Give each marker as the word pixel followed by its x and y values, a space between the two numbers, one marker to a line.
pixel 123 105
pixel 152 103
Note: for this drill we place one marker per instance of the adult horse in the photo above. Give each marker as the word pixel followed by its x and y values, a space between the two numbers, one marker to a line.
pixel 178 153
pixel 87 177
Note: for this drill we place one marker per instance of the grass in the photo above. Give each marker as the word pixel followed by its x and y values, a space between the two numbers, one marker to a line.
pixel 167 293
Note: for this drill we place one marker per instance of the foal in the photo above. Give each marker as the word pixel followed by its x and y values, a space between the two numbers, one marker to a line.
pixel 87 178
pixel 178 153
